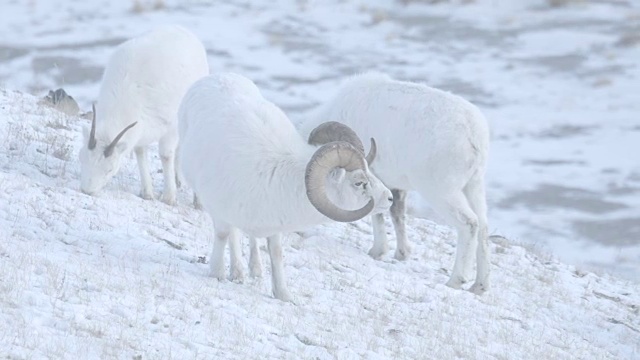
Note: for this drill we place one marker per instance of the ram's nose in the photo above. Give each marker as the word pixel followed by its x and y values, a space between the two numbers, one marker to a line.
pixel 385 202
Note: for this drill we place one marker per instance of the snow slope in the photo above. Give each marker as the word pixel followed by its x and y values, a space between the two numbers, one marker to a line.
pixel 118 277
pixel 115 276
pixel 558 84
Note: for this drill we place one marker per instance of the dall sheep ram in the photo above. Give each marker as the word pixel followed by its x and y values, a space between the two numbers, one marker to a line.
pixel 143 83
pixel 430 141
pixel 253 172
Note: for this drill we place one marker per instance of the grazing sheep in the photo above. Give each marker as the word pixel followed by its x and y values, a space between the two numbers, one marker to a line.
pixel 253 172
pixel 430 141
pixel 141 89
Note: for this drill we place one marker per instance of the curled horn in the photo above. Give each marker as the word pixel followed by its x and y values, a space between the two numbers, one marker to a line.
pixel 92 134
pixel 109 149
pixel 326 158
pixel 373 151
pixel 335 131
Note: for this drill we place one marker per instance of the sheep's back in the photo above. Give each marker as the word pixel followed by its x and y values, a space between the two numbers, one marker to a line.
pixel 145 80
pixel 422 133
pixel 231 141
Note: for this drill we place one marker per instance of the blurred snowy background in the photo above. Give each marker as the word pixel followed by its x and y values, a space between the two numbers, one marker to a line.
pixel 559 81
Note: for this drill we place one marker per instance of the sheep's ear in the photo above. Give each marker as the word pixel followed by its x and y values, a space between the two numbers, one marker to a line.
pixel 338 174
pixel 120 147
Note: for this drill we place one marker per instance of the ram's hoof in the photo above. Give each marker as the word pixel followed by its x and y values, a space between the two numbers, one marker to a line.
pixel 455 282
pixel 147 195
pixel 237 276
pixel 402 254
pixel 478 288
pixel 377 253
pixel 169 199
pixel 283 295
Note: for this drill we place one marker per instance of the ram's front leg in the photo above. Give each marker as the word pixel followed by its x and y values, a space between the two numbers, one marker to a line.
pixel 398 218
pixel 380 242
pixel 255 260
pixel 145 177
pixel 280 289
pixel 167 156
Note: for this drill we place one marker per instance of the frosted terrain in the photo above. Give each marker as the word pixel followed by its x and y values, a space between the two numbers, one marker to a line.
pixel 115 276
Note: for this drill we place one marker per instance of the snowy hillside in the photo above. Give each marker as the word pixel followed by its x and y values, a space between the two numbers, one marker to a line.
pixel 557 79
pixel 115 276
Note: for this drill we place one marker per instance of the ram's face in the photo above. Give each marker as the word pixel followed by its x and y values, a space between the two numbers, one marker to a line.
pixel 96 167
pixel 339 183
pixel 353 189
pixel 99 158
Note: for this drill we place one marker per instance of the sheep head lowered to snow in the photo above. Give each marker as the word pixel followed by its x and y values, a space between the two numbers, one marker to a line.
pixel 254 172
pixel 429 141
pixel 97 160
pixel 143 83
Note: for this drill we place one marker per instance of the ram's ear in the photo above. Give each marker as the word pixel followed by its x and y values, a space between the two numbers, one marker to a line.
pixel 118 149
pixel 121 147
pixel 337 175
pixel 112 147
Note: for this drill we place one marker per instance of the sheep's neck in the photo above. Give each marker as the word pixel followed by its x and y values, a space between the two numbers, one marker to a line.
pixel 285 175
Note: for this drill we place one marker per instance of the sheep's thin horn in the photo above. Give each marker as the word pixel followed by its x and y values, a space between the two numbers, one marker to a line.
pixel 109 149
pixel 92 134
pixel 334 131
pixel 326 158
pixel 373 151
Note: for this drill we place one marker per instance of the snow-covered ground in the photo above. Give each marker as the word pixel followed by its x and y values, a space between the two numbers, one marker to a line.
pixel 115 276
pixel 559 85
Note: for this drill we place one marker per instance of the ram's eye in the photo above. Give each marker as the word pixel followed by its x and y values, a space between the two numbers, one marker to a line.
pixel 360 183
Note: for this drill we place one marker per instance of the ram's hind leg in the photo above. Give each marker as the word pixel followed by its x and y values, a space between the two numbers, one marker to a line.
pixel 475 193
pixel 196 202
pixel 398 210
pixel 278 282
pixel 178 172
pixel 455 208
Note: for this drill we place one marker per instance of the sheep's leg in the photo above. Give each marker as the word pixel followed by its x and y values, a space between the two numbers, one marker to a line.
pixel 280 290
pixel 236 270
pixel 255 260
pixel 180 179
pixel 475 193
pixel 457 211
pixel 196 202
pixel 216 262
pixel 380 243
pixel 176 162
pixel 145 175
pixel 167 156
pixel 398 209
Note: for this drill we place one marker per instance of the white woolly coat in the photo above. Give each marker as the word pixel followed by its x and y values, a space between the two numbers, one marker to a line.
pixel 145 80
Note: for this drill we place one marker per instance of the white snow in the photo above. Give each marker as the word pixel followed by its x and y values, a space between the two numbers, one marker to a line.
pixel 115 276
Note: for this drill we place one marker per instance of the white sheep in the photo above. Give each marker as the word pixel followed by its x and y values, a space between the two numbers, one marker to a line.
pixel 430 141
pixel 143 83
pixel 253 172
